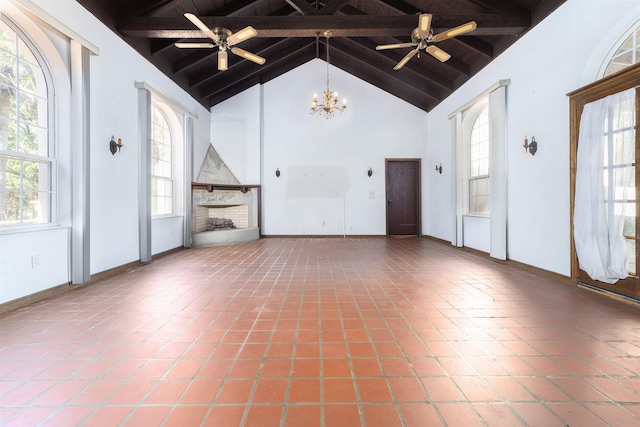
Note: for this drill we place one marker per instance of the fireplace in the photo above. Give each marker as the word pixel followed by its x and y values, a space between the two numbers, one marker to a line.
pixel 224 214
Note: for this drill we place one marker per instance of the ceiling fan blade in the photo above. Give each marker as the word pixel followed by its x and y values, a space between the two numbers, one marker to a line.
pixel 248 55
pixel 223 60
pixel 424 24
pixel 194 45
pixel 393 46
pixel 459 30
pixel 244 34
pixel 438 53
pixel 406 59
pixel 202 26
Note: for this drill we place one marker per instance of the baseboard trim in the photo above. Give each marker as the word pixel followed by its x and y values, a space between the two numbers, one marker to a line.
pixel 68 287
pixel 516 264
pixel 34 298
pixel 320 236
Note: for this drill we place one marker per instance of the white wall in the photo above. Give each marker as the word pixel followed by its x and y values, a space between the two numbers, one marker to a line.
pixel 323 188
pixel 559 55
pixel 235 133
pixel 114 111
pixel 114 179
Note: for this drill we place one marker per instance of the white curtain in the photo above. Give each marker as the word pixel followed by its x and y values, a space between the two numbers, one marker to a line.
pixel 604 183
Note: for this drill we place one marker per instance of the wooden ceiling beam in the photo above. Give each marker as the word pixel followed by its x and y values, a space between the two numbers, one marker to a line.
pixel 302 7
pixel 310 26
pixel 291 62
pixel 401 7
pixel 394 56
pixel 475 44
pixel 376 78
pixel 367 59
pixel 332 7
pixel 270 51
pixel 243 69
pixel 503 7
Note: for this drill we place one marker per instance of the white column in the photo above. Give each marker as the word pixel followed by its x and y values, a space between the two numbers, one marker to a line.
pixel 80 164
pixel 498 171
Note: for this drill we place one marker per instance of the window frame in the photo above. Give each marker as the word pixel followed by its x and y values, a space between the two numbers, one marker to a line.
pixel 51 148
pixel 163 110
pixel 482 108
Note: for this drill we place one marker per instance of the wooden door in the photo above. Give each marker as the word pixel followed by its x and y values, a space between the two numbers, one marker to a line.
pixel 403 197
pixel 628 78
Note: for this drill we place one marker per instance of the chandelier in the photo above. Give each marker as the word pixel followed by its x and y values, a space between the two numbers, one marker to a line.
pixel 329 105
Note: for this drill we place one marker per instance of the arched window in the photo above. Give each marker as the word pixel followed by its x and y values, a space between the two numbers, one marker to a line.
pixel 162 171
pixel 627 54
pixel 479 164
pixel 26 155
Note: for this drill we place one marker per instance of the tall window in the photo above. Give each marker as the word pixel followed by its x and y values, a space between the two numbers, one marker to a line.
pixel 161 164
pixel 479 165
pixel 26 159
pixel 627 54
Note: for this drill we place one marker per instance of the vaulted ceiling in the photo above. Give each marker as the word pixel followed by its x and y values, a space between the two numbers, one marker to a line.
pixel 290 33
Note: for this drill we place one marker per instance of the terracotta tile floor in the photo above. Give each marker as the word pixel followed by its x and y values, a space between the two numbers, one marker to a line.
pixel 322 332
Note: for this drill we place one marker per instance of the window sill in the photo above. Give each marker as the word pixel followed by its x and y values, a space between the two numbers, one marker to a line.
pixel 166 216
pixel 476 215
pixel 31 228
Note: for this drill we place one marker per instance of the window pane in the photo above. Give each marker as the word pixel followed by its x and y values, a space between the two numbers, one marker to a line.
pixel 33 109
pixel 7 39
pixel 483 167
pixel 9 75
pixel 482 186
pixel 473 188
pixel 483 204
pixel 10 169
pixel 631 252
pixel 629 228
pixel 35 207
pixel 9 207
pixel 473 204
pixel 8 104
pixel 7 134
pixel 36 176
pixel 627 54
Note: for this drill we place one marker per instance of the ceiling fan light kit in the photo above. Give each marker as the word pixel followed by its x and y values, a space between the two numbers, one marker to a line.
pixel 422 38
pixel 225 40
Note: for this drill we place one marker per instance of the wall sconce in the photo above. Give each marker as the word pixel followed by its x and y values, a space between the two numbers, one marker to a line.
pixel 277 173
pixel 439 168
pixel 115 146
pixel 369 173
pixel 531 147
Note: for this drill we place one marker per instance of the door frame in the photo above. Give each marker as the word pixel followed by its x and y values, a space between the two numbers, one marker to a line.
pixel 418 163
pixel 618 82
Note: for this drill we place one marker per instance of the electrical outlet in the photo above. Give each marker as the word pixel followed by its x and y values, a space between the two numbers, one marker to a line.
pixel 35 261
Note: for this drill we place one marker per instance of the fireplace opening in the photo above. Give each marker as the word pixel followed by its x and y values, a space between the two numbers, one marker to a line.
pixel 224 214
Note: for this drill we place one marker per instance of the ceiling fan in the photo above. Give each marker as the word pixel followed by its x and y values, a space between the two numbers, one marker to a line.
pixel 423 38
pixel 224 40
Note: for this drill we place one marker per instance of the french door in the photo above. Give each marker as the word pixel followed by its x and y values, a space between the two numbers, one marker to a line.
pixel 617 163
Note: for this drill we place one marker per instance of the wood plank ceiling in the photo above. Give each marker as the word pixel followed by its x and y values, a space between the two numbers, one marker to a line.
pixel 290 33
